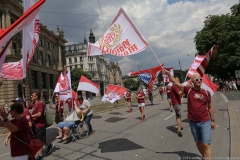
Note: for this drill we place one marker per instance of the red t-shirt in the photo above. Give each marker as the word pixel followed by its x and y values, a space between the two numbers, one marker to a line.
pixel 149 92
pixel 176 99
pixel 168 92
pixel 141 94
pixel 128 95
pixel 197 104
pixel 27 114
pixel 18 148
pixel 161 90
pixel 69 102
pixel 39 121
pixel 58 109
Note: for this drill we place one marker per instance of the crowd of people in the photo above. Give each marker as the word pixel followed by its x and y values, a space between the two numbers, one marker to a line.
pixel 28 121
pixel 228 85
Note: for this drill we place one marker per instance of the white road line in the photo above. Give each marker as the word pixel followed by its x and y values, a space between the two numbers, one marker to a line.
pixel 4 154
pixel 130 114
pixel 224 97
pixel 169 116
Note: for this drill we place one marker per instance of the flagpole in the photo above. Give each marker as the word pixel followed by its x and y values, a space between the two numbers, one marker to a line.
pixel 155 55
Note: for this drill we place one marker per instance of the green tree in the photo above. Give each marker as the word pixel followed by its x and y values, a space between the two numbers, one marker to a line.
pixel 131 84
pixel 76 73
pixel 223 31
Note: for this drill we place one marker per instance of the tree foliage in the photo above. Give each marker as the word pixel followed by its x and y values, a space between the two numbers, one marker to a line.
pixel 223 31
pixel 76 73
pixel 131 84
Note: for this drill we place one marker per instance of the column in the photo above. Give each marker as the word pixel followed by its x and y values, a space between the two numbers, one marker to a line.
pixel 8 18
pixel 3 19
pixel 60 65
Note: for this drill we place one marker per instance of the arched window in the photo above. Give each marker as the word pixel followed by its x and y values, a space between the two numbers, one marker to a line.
pixel 41 56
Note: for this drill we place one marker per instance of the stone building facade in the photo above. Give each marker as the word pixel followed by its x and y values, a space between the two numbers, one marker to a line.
pixel 76 56
pixel 115 74
pixel 46 65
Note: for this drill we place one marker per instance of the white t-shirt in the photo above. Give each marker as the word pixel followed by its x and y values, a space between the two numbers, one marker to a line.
pixel 145 91
pixel 85 105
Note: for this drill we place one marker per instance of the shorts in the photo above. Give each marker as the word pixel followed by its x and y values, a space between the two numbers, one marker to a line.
pixel 41 133
pixel 201 131
pixel 65 124
pixel 141 104
pixel 177 109
pixel 168 97
pixel 161 95
pixel 24 157
pixel 150 97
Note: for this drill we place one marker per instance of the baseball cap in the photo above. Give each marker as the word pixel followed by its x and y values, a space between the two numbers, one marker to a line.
pixel 18 99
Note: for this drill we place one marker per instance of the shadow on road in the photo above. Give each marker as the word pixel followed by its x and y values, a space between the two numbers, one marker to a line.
pixel 51 134
pixel 118 145
pixel 183 155
pixel 172 128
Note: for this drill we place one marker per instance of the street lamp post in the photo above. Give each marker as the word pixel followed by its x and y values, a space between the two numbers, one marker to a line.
pixel 180 71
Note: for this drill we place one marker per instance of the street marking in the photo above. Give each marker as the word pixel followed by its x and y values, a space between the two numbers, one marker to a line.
pixel 169 116
pixel 4 154
pixel 224 97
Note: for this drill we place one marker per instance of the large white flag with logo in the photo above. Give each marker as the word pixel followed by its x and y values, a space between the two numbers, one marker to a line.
pixel 122 38
pixel 17 70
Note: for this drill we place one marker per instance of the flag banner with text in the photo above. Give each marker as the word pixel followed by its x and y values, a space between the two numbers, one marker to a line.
pixel 200 63
pixel 114 93
pixel 148 76
pixel 65 86
pixel 17 70
pixel 165 77
pixel 122 38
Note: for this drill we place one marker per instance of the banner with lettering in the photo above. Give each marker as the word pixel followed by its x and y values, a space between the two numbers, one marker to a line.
pixel 122 38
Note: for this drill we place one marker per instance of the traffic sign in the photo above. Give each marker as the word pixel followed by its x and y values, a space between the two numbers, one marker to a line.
pixel 237 73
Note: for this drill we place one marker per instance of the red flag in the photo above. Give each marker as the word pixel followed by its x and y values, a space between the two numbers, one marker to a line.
pixel 113 93
pixel 208 84
pixel 165 77
pixel 74 95
pixel 87 85
pixel 148 75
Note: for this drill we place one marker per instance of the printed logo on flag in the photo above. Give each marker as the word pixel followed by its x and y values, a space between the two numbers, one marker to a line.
pixel 113 95
pixel 146 77
pixel 64 87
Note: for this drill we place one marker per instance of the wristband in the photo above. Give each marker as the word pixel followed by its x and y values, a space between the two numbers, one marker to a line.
pixel 5 120
pixel 213 120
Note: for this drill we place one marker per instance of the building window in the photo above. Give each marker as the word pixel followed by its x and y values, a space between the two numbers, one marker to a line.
pixel 114 79
pixel 49 59
pixel 51 81
pixel 70 60
pixel 81 66
pixel 14 47
pixel 44 82
pixel 34 79
pixel 90 58
pixel 70 67
pixel 114 74
pixel 81 59
pixel 53 46
pixel 40 41
pixel 90 66
pixel 41 56
pixel 54 61
pixel 48 45
pixel 75 59
pixel 93 75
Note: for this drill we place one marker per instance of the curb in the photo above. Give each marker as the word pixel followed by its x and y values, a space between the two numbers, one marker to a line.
pixel 234 133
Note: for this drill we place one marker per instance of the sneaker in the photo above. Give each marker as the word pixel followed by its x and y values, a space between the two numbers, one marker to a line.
pixel 39 157
pixel 179 134
pixel 49 148
pixel 90 133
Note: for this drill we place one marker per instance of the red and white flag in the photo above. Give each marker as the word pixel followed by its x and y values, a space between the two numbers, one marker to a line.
pixel 3 54
pixel 87 85
pixel 113 93
pixel 121 39
pixel 200 63
pixel 165 77
pixel 17 70
pixel 74 96
pixel 208 85
pixel 65 86
pixel 58 83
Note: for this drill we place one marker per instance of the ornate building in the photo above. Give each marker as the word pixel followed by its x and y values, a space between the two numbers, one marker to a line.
pixel 115 74
pixel 76 56
pixel 48 60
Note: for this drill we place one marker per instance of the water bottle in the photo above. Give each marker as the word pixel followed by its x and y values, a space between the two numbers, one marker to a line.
pixel 6 108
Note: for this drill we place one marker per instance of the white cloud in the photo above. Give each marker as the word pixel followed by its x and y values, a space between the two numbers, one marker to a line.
pixel 170 29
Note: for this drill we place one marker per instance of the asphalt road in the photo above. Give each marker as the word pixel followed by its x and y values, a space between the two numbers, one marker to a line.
pixel 122 136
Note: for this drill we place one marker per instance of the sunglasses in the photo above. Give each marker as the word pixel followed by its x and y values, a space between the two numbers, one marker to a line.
pixel 198 79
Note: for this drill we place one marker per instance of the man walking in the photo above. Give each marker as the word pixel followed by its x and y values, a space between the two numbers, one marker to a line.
pixel 176 102
pixel 128 100
pixel 150 96
pixel 59 109
pixel 161 92
pixel 40 123
pixel 200 113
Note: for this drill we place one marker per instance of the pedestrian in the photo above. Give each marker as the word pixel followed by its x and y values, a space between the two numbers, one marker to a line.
pixel 141 101
pixel 69 101
pixel 150 95
pixel 168 91
pixel 176 96
pixel 40 123
pixel 200 113
pixel 161 92
pixel 128 100
pixel 58 109
pixel 84 107
pixel 19 129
